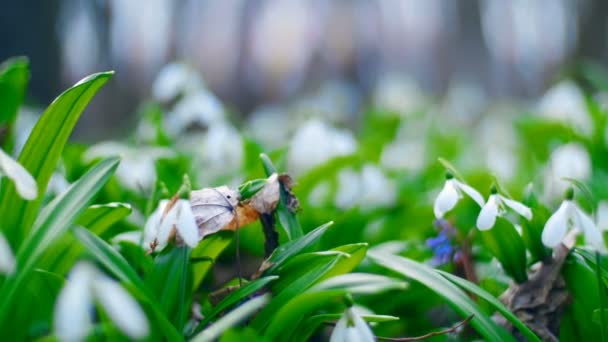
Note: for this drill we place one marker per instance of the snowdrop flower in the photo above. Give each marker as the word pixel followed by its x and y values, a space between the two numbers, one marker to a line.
pixel 175 79
pixel 451 193
pixel 351 327
pixel 267 125
pixel 165 223
pixel 602 215
pixel 394 155
pixel 24 182
pixel 398 94
pixel 377 190
pixel 86 286
pixel 565 102
pixel 567 161
pixel 368 189
pixel 315 143
pixel 137 167
pixel 567 217
pixel 7 259
pixel 201 109
pixel 497 206
pixel 349 189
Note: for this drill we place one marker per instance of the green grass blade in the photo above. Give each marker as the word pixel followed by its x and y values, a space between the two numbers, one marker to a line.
pixel 495 303
pixel 42 151
pixel 294 247
pixel 51 224
pixel 235 297
pixel 459 301
pixel 121 269
pixel 233 318
pixel 362 283
pixel 289 316
pixel 98 218
pixel 14 77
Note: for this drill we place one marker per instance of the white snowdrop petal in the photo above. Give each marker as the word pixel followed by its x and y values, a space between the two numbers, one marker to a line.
pixel 467 189
pixel 556 227
pixel 72 312
pixel 446 200
pixel 520 208
pixel 7 259
pixel 153 224
pixel 122 309
pixel 167 225
pixel 362 331
pixel 593 236
pixel 488 213
pixel 339 332
pixel 24 182
pixel 186 224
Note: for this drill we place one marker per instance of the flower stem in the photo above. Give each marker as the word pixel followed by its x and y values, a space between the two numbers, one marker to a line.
pixel 598 268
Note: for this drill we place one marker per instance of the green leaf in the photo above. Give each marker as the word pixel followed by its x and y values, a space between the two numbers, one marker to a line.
pixel 233 318
pixel 289 316
pixel 508 247
pixel 532 230
pixel 362 283
pixel 42 151
pixel 168 281
pixel 287 218
pixel 120 268
pixel 310 325
pixel 294 247
pixel 235 297
pixel 51 224
pixel 98 218
pixel 250 188
pixel 300 283
pixel 14 77
pixel 596 317
pixel 210 248
pixel 495 303
pixel 457 299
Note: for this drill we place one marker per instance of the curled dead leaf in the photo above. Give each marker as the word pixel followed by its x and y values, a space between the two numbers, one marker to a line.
pixel 214 208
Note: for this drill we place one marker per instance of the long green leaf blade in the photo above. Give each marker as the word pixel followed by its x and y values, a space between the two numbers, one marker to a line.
pixel 481 293
pixel 459 301
pixel 120 268
pixel 42 151
pixel 51 224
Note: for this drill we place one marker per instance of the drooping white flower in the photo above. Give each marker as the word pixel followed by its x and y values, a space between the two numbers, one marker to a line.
pixel 497 206
pixel 377 190
pixel 567 161
pixel 351 327
pixel 165 223
pixel 24 182
pixel 85 286
pixel 315 143
pixel 565 102
pixel 137 168
pixel 269 125
pixel 450 195
pixel 7 259
pixel 369 189
pixel 175 79
pixel 570 216
pixel 201 109
pixel 398 94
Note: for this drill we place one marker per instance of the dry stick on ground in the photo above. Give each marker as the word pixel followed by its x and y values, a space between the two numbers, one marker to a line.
pixel 429 335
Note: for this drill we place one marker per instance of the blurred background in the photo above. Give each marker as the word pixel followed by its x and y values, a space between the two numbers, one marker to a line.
pixel 257 54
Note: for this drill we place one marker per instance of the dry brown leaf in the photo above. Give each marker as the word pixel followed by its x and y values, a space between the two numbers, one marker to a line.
pixel 214 208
